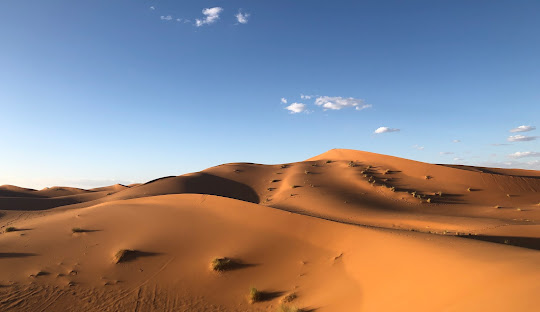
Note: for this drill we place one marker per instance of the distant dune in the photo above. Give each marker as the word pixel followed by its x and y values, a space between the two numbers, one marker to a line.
pixel 343 231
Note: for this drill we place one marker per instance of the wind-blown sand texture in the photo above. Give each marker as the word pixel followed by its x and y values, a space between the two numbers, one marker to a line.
pixel 343 231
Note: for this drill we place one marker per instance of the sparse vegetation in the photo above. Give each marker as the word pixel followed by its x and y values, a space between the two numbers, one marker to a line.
pixel 288 298
pixel 11 229
pixel 428 200
pixel 497 207
pixel 427 177
pixel 393 189
pixel 387 171
pixel 274 181
pixel 283 166
pixel 123 255
pixel 439 193
pixel 295 186
pixel 286 308
pixel 413 194
pixel 221 264
pixel 254 295
pixel 518 209
pixel 77 230
pixel 351 164
pixel 469 189
pixel 328 161
pixel 508 195
pixel 306 172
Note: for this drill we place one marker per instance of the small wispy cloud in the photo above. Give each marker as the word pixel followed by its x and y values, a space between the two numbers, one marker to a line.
pixel 521 138
pixel 296 108
pixel 305 97
pixel 385 130
pixel 337 103
pixel 446 153
pixel 500 144
pixel 165 18
pixel 418 147
pixel 283 101
pixel 524 154
pixel 523 129
pixel 152 8
pixel 242 18
pixel 456 141
pixel 211 16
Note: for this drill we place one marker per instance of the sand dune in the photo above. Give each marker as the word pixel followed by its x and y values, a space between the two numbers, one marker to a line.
pixel 345 231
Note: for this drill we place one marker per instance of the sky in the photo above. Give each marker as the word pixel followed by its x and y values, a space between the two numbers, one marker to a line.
pixel 99 92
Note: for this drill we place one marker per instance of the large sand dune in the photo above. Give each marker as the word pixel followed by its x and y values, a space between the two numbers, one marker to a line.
pixel 344 231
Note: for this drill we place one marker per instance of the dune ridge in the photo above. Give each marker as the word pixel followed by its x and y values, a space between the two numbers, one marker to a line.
pixel 344 230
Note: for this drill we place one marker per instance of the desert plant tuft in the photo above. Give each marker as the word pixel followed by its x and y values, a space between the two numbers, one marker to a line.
pixel 306 172
pixel 254 295
pixel 328 161
pixel 288 298
pixel 428 200
pixel 295 186
pixel 286 308
pixel 427 177
pixel 497 207
pixel 387 171
pixel 284 166
pixel 11 229
pixel 439 193
pixel 123 255
pixel 469 189
pixel 77 230
pixel 351 164
pixel 221 264
pixel 393 189
pixel 508 195
pixel 518 209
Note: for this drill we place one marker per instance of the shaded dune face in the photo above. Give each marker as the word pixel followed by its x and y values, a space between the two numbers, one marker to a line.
pixel 195 183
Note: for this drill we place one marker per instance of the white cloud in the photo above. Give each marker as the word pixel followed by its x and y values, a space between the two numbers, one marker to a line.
pixel 418 147
pixel 530 165
pixel 211 16
pixel 295 108
pixel 521 138
pixel 242 18
pixel 456 141
pixel 458 159
pixel 524 154
pixel 152 8
pixel 337 103
pixel 165 18
pixel 500 144
pixel 446 153
pixel 523 129
pixel 385 130
pixel 305 97
pixel 178 19
pixel 283 100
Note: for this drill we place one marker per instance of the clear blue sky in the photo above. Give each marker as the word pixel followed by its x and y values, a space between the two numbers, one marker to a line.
pixel 98 92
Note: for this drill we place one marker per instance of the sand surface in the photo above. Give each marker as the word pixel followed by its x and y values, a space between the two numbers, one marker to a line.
pixel 344 231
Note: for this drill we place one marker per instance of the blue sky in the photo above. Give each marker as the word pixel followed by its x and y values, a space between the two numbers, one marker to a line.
pixel 99 92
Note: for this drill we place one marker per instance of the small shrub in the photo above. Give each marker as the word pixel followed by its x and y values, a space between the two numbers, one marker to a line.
pixel 286 308
pixel 413 194
pixel 254 295
pixel 497 207
pixel 439 193
pixel 427 177
pixel 508 195
pixel 283 166
pixel 77 230
pixel 306 172
pixel 288 298
pixel 351 164
pixel 295 186
pixel 428 200
pixel 124 255
pixel 274 181
pixel 221 264
pixel 328 161
pixel 469 189
pixel 11 229
pixel 393 189
pixel 387 171
pixel 518 209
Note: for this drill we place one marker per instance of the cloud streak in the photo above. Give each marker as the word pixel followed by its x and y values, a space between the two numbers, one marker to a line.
pixel 338 102
pixel 242 18
pixel 211 16
pixel 296 108
pixel 521 138
pixel 385 130
pixel 523 129
pixel 524 154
